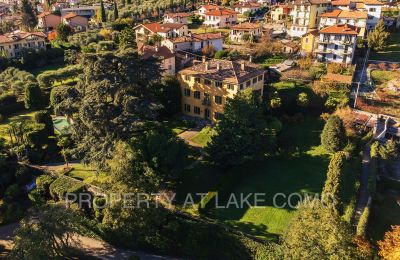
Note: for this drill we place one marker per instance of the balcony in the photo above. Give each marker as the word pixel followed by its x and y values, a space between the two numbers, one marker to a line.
pixel 206 102
pixel 346 42
pixel 325 51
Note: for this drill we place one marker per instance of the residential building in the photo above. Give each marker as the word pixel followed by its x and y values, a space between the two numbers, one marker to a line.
pixel 374 9
pixel 13 44
pixel 290 47
pixel 352 17
pixel 253 30
pixel 309 42
pixel 220 18
pixel 85 11
pixel 166 57
pixel 165 30
pixel 280 12
pixel 176 18
pixel 305 16
pixel 207 86
pixel 206 8
pixel 247 7
pixel 79 23
pixel 48 21
pixel 337 43
pixel 194 42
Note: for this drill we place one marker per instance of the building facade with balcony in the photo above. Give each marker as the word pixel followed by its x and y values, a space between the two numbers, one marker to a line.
pixel 353 17
pixel 176 18
pixel 194 42
pixel 337 43
pixel 13 44
pixel 207 86
pixel 305 16
pixel 165 30
pixel 253 30
pixel 220 18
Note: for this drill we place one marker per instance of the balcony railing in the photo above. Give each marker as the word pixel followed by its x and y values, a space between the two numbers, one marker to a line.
pixel 323 51
pixel 206 102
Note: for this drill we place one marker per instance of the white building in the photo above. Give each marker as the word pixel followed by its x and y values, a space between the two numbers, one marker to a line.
pixel 176 18
pixel 220 18
pixel 305 15
pixel 206 8
pixel 237 31
pixel 247 7
pixel 194 42
pixel 352 17
pixel 337 43
pixel 374 9
pixel 13 44
pixel 165 30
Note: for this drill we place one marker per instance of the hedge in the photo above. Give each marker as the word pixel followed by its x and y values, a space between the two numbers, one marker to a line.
pixel 363 223
pixel 48 78
pixel 63 185
pixel 9 105
pixel 207 202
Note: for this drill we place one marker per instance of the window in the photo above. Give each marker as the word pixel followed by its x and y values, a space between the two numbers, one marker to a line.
pixel 187 107
pixel 187 77
pixel 336 47
pixel 372 9
pixel 248 83
pixel 231 87
pixel 207 82
pixel 334 56
pixel 197 110
pixel 241 86
pixel 197 80
pixel 260 77
pixel 217 116
pixel 186 92
pixel 254 80
pixel 196 94
pixel 218 100
pixel 218 84
pixel 337 37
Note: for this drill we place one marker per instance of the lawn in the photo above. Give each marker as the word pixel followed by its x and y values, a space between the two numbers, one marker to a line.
pixel 210 30
pixel 301 168
pixel 178 125
pixel 391 52
pixel 203 137
pixel 26 116
pixel 37 71
pixel 382 76
pixel 87 174
pixel 273 60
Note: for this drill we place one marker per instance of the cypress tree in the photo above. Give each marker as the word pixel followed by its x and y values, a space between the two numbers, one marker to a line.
pixel 29 19
pixel 115 11
pixel 333 137
pixel 332 191
pixel 103 17
pixel 33 97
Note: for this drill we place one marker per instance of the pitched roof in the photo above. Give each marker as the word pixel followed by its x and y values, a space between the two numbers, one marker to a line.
pixel 246 26
pixel 229 71
pixel 334 13
pixel 156 52
pixel 311 2
pixel 353 14
pixel 44 14
pixel 177 15
pixel 340 2
pixel 16 36
pixel 165 27
pixel 337 78
pixel 210 7
pixel 373 2
pixel 197 37
pixel 340 29
pixel 69 16
pixel 220 12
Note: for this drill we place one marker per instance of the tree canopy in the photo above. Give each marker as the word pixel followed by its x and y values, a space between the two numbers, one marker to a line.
pixel 333 137
pixel 378 38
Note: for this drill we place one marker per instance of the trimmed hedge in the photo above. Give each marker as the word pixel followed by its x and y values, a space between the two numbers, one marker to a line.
pixel 9 105
pixel 207 202
pixel 63 185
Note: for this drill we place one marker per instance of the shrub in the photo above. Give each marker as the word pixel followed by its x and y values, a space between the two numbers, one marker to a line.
pixel 37 135
pixel 221 54
pixel 207 202
pixel 63 185
pixel 33 97
pixel 43 183
pixel 333 137
pixel 363 223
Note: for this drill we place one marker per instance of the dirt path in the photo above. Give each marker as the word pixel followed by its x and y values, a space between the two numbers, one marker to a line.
pixel 363 195
pixel 187 137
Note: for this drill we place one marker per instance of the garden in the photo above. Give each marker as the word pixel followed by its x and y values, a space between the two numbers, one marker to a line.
pixel 391 52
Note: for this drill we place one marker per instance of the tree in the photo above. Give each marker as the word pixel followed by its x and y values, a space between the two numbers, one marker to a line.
pixel 388 151
pixel 378 38
pixel 33 97
pixel 101 15
pixel 333 188
pixel 246 37
pixel 318 232
pixel 115 11
pixel 333 137
pixel 302 99
pixel 123 2
pixel 243 133
pixel 64 142
pixel 28 16
pixel 275 100
pixel 127 37
pixel 63 31
pixel 389 247
pixel 168 93
pixel 44 117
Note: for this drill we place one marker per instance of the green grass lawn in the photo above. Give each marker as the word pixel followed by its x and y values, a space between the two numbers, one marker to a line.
pixel 37 71
pixel 87 174
pixel 391 52
pixel 382 76
pixel 178 125
pixel 26 116
pixel 385 212
pixel 300 169
pixel 210 30
pixel 204 136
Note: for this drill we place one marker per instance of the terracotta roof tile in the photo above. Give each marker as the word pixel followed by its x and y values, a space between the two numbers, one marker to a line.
pixel 197 37
pixel 210 7
pixel 340 29
pixel 353 14
pixel 246 26
pixel 156 52
pixel 18 35
pixel 165 27
pixel 341 2
pixel 334 13
pixel 220 12
pixel 177 15
pixel 69 16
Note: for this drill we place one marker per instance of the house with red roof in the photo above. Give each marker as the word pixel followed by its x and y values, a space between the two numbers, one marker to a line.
pixel 337 43
pixel 163 54
pixel 206 8
pixel 238 31
pixel 220 18
pixel 164 30
pixel 194 42
pixel 79 23
pixel 176 18
pixel 14 43
pixel 48 21
pixel 352 17
pixel 244 7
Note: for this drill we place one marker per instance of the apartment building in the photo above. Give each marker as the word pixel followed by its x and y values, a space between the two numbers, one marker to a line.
pixel 280 12
pixel 206 8
pixel 13 44
pixel 194 42
pixel 247 7
pixel 165 30
pixel 337 43
pixel 305 16
pixel 253 30
pixel 176 18
pixel 352 17
pixel 220 18
pixel 207 86
pixel 309 42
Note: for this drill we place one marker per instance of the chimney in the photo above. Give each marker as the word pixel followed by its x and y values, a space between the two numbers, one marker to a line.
pixel 156 48
pixel 218 66
pixel 207 65
pixel 251 58
pixel 242 65
pixel 204 59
